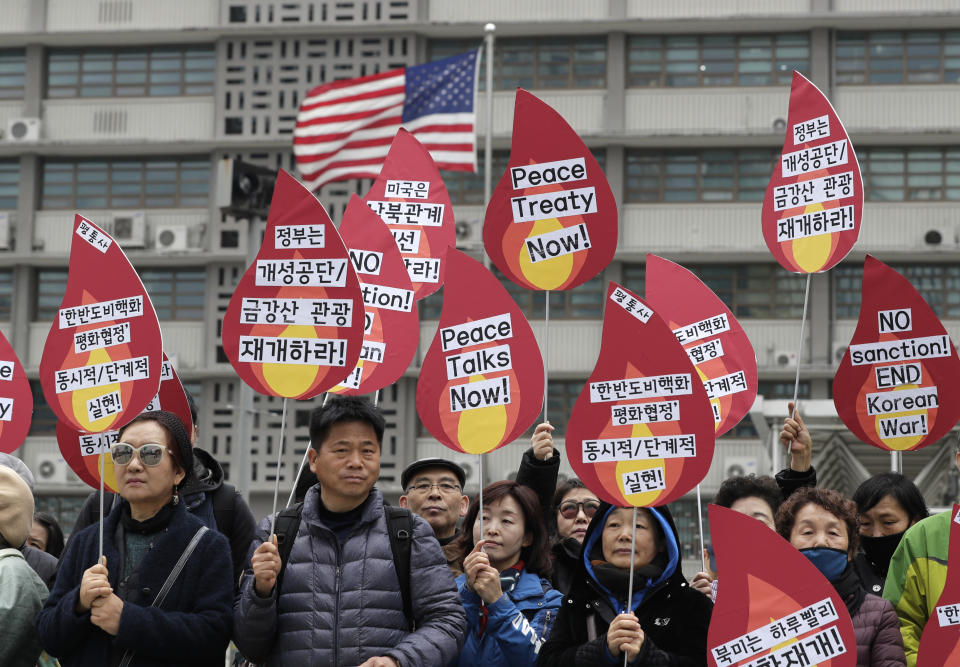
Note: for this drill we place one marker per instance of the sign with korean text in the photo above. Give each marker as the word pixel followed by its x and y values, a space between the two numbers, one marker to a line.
pixel 773 607
pixel 82 450
pixel 894 385
pixel 713 338
pixel 814 201
pixel 102 358
pixel 551 223
pixel 641 432
pixel 391 325
pixel 294 325
pixel 410 197
pixel 481 382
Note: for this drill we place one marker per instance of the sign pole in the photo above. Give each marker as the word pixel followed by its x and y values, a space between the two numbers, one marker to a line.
pixel 803 322
pixel 276 486
pixel 633 552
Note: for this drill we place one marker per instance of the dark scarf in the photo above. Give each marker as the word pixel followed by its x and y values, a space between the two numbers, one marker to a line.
pixel 508 582
pixel 850 589
pixel 617 580
pixel 154 524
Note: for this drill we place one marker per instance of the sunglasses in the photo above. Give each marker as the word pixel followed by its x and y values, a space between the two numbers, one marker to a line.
pixel 570 509
pixel 149 454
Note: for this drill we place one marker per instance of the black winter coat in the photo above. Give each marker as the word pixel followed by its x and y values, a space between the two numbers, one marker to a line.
pixel 674 617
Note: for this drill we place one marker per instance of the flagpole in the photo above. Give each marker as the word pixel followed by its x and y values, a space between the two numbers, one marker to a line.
pixel 488 39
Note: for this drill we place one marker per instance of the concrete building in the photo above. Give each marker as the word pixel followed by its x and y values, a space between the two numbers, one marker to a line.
pixel 123 110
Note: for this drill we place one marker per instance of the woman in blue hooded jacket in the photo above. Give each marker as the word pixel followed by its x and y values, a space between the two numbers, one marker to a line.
pixel 665 622
pixel 505 587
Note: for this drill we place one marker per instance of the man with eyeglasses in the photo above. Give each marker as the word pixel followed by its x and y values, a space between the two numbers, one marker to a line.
pixel 433 487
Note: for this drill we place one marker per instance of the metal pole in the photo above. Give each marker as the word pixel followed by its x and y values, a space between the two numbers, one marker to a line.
pixel 633 552
pixel 488 39
pixel 242 477
pixel 546 352
pixel 803 322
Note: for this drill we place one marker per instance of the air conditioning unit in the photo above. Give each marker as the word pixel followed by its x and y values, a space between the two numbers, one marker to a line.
pixel 939 237
pixel 23 130
pixel 50 469
pixel 737 466
pixel 839 349
pixel 4 231
pixel 779 124
pixel 467 233
pixel 170 237
pixel 130 228
pixel 469 466
pixel 784 358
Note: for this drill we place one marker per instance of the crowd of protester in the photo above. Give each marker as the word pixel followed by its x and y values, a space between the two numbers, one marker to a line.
pixel 539 574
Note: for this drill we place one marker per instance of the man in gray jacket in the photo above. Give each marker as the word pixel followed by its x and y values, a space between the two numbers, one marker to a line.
pixel 339 599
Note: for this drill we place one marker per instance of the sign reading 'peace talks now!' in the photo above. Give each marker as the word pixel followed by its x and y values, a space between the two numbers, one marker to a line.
pixel 294 325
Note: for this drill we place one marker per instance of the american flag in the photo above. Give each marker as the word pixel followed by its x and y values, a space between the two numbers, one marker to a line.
pixel 344 128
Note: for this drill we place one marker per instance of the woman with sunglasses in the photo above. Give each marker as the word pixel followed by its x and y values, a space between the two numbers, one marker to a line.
pixel 162 593
pixel 573 507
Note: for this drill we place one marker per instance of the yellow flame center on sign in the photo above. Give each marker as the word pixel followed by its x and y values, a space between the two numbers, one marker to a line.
pixel 481 429
pixel 714 403
pixel 904 442
pixel 550 273
pixel 624 467
pixel 80 397
pixel 291 380
pixel 812 252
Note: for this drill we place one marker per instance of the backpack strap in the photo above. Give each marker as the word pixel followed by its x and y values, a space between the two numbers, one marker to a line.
pixel 223 499
pixel 285 527
pixel 400 530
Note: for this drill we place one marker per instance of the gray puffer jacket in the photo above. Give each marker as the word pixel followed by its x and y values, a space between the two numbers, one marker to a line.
pixel 343 606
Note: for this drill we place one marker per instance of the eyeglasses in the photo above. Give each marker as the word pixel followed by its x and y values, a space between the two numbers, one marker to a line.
pixel 149 454
pixel 570 509
pixel 442 487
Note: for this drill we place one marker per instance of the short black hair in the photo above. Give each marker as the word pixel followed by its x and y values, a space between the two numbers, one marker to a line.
pixel 193 406
pixel 344 409
pixel 763 487
pixel 55 541
pixel 905 492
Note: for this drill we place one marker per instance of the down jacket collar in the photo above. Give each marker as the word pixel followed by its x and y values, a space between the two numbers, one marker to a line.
pixel 372 507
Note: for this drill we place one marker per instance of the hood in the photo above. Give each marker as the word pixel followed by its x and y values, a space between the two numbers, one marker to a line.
pixel 16 508
pixel 672 570
pixel 207 474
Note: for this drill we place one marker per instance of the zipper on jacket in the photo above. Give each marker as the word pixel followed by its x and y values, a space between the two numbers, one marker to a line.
pixel 336 606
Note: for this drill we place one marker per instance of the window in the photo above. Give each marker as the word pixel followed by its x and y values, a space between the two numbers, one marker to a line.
pixel 911 174
pixel 44 421
pixel 782 390
pixel 707 175
pixel 884 58
pixel 634 278
pixel 176 294
pixel 715 60
pixel 13 72
pixel 467 188
pixel 9 183
pixel 537 62
pixel 157 71
pixel 561 396
pixel 755 290
pixel 125 183
pixel 6 294
pixel 938 284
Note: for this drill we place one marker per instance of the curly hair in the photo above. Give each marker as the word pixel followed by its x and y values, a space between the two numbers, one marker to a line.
pixel 536 557
pixel 748 486
pixel 832 501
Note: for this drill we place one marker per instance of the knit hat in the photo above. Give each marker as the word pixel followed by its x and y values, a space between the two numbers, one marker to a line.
pixel 18 466
pixel 16 508
pixel 182 450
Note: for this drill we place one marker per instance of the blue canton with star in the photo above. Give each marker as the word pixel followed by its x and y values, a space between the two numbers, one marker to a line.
pixel 443 86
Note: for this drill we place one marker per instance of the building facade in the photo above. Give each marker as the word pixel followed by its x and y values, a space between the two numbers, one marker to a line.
pixel 123 110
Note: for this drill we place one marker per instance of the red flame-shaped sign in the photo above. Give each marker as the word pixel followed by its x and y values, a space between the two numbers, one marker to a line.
pixel 101 362
pixel 481 383
pixel 940 641
pixel 410 197
pixel 388 298
pixel 82 450
pixel 16 399
pixel 294 326
pixel 772 601
pixel 551 223
pixel 814 201
pixel 641 432
pixel 895 384
pixel 714 340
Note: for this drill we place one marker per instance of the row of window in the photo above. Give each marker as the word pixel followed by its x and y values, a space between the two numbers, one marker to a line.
pixel 875 58
pixel 889 174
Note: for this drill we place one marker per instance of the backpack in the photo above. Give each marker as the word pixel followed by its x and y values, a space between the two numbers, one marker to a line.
pixel 399 529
